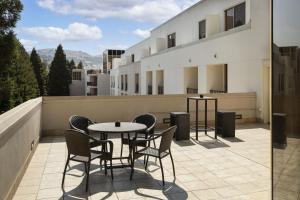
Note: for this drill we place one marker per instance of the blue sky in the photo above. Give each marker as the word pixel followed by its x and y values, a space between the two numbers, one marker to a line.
pixel 92 25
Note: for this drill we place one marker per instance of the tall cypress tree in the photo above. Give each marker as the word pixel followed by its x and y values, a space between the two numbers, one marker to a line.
pixel 59 74
pixel 17 81
pixel 80 65
pixel 24 76
pixel 39 69
pixel 9 15
pixel 72 65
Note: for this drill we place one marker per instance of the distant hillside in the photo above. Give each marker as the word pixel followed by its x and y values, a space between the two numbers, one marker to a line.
pixel 89 62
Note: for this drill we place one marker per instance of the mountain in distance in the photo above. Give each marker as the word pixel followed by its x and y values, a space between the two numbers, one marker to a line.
pixel 89 61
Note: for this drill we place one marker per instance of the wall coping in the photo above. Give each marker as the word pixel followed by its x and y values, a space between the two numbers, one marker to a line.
pixel 16 115
pixel 48 99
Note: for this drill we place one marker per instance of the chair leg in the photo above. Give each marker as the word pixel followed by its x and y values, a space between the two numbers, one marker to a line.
pixel 146 165
pixel 105 163
pixel 111 170
pixel 172 163
pixel 162 172
pixel 154 147
pixel 64 174
pixel 87 176
pixel 132 167
pixel 122 136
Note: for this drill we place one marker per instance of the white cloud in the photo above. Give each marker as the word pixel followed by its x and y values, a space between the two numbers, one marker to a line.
pixel 142 33
pixel 74 32
pixel 28 44
pixel 156 11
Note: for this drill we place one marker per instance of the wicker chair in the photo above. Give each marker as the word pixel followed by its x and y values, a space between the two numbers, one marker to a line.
pixel 161 152
pixel 79 150
pixel 81 123
pixel 150 121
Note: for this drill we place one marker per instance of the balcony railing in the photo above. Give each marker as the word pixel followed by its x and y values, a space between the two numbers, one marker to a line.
pixel 150 89
pixel 91 83
pixel 160 89
pixel 136 88
pixel 217 91
pixel 192 90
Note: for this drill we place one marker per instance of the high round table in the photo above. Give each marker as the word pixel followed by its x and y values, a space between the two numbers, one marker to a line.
pixel 125 128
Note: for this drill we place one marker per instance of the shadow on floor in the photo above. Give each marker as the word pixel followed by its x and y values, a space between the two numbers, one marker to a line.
pixel 210 144
pixel 233 139
pixel 102 187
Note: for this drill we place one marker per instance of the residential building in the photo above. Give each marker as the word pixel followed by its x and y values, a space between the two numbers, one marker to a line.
pixel 89 82
pixel 78 85
pixel 215 46
pixel 108 56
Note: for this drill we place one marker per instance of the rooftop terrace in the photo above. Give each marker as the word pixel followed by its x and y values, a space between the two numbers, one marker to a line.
pixel 206 169
pixel 33 153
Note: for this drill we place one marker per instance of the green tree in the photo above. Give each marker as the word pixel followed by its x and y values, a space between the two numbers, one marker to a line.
pixel 9 14
pixel 17 81
pixel 80 65
pixel 39 69
pixel 24 75
pixel 59 74
pixel 72 65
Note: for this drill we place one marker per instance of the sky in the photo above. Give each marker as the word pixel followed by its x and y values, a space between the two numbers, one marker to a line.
pixel 92 25
pixel 286 17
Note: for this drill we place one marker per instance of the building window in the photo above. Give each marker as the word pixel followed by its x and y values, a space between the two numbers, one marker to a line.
pixel 136 83
pixel 126 82
pixel 202 29
pixel 122 82
pixel 172 40
pixel 132 58
pixel 235 17
pixel 76 76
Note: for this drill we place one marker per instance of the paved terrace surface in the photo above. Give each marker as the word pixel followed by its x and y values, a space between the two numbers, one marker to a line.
pixel 206 169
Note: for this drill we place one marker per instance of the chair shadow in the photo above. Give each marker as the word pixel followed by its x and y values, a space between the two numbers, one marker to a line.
pixel 184 143
pixel 210 144
pixel 233 139
pixel 141 180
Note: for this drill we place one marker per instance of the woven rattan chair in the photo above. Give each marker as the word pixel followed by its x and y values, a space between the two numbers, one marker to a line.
pixel 150 121
pixel 81 123
pixel 161 152
pixel 79 150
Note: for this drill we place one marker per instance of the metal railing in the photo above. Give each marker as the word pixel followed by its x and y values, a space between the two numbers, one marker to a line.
pixel 160 89
pixel 191 90
pixel 150 89
pixel 91 83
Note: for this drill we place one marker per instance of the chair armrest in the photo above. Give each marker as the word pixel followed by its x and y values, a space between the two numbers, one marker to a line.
pixel 151 137
pixel 103 142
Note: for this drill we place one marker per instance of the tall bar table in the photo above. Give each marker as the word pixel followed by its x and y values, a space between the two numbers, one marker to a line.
pixel 206 127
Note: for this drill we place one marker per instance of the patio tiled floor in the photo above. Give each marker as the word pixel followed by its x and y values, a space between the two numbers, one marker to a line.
pixel 205 169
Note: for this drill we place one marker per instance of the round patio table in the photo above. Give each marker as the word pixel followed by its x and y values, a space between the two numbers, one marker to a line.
pixel 125 127
pixel 110 128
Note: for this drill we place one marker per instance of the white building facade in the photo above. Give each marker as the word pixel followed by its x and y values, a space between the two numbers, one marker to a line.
pixel 215 46
pixel 89 82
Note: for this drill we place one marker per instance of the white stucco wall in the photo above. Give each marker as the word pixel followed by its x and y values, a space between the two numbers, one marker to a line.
pixel 243 49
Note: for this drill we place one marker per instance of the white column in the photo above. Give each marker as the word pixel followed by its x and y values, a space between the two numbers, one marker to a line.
pixel 202 79
pixel 154 84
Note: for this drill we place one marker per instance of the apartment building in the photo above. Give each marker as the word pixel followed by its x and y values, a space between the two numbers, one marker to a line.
pixel 78 85
pixel 108 56
pixel 89 82
pixel 215 46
